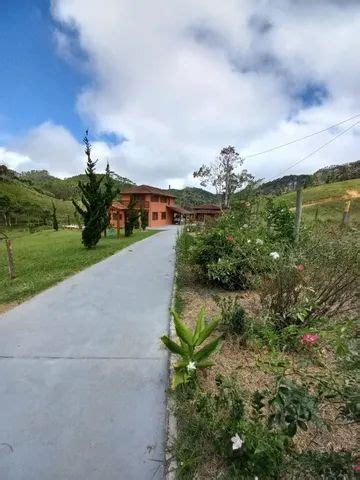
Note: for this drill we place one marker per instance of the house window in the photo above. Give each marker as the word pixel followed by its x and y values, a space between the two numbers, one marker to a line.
pixel 168 200
pixel 115 216
pixel 155 198
pixel 163 199
pixel 155 215
pixel 163 215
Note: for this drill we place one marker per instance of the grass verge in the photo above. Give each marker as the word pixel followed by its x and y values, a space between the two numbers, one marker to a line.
pixel 44 258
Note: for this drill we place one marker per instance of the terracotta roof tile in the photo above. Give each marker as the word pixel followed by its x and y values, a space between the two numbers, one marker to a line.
pixel 208 206
pixel 147 189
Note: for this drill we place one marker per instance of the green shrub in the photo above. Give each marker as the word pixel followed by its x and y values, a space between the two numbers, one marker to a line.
pixel 291 406
pixel 313 281
pixel 231 259
pixel 313 465
pixel 280 221
pixel 233 315
pixel 192 358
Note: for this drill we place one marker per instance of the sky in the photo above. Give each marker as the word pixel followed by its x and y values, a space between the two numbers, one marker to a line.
pixel 163 86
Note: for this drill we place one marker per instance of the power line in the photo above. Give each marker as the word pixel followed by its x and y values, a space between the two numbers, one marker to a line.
pixel 300 139
pixel 316 150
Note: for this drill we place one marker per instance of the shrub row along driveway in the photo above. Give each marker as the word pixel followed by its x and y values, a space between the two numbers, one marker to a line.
pixel 83 378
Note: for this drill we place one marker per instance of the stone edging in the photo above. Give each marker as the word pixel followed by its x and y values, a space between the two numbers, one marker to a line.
pixel 171 424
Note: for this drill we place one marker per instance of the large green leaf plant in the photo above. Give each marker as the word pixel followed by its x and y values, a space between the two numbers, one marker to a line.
pixel 192 357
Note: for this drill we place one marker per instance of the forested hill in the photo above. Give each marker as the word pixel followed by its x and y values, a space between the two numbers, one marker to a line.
pixel 331 174
pixel 64 189
pixel 191 196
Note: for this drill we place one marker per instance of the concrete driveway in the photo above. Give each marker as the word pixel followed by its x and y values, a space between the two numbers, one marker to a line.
pixel 82 374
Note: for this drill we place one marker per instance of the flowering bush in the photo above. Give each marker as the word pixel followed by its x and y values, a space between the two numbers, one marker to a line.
pixel 233 259
pixel 280 221
pixel 309 338
pixel 192 357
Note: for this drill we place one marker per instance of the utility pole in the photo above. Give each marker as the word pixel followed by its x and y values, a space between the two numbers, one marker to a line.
pixel 299 201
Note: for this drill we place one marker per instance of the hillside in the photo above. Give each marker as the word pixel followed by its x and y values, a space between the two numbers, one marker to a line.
pixel 28 205
pixel 64 189
pixel 329 200
pixel 191 196
pixel 331 174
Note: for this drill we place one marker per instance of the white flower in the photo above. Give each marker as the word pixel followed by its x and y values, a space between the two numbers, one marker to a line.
pixel 191 366
pixel 259 241
pixel 249 241
pixel 275 255
pixel 237 442
pixel 219 261
pixel 245 225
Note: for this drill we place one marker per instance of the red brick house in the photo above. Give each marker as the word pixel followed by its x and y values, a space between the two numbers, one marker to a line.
pixel 158 204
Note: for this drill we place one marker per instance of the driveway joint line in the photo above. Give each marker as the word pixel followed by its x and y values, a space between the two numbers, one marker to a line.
pixel 55 357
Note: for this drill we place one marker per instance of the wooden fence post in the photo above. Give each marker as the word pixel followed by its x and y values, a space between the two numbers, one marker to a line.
pixel 346 214
pixel 299 201
pixel 10 258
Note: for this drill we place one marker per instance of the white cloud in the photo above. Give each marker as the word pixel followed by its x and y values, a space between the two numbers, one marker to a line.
pixel 14 160
pixel 182 79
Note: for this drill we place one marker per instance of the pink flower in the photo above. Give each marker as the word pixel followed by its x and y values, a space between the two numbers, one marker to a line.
pixel 230 238
pixel 310 338
pixel 300 267
pixel 357 467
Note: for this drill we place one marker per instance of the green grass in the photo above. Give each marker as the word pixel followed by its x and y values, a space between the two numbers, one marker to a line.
pixel 329 200
pixel 324 192
pixel 47 257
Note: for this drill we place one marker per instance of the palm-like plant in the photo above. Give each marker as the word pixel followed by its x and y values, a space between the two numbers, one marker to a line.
pixel 192 357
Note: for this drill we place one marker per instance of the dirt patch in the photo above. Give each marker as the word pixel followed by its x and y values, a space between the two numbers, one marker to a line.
pixel 352 193
pixel 241 361
pixel 5 307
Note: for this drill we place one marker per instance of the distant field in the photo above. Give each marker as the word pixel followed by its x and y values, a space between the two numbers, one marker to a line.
pixel 45 258
pixel 329 201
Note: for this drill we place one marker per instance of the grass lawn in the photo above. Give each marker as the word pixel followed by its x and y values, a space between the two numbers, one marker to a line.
pixel 45 258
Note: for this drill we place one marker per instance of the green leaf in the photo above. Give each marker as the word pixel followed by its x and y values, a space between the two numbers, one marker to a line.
pixel 302 425
pixel 179 377
pixel 205 364
pixel 200 325
pixel 182 332
pixel 291 429
pixel 206 351
pixel 172 346
pixel 207 331
pixel 181 364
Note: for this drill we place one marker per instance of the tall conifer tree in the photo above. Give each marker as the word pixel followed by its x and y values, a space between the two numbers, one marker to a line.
pixel 54 218
pixel 110 192
pixel 131 217
pixel 93 201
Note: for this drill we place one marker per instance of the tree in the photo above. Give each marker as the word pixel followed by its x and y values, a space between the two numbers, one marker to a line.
pixel 54 218
pixel 110 192
pixel 131 217
pixel 144 218
pixel 93 201
pixel 222 174
pixel 5 209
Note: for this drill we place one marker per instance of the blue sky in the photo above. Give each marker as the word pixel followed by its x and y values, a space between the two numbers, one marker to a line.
pixel 163 86
pixel 36 84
